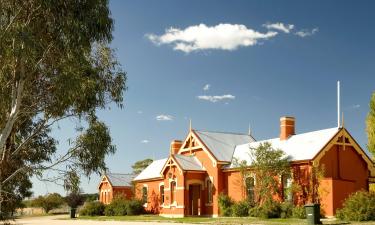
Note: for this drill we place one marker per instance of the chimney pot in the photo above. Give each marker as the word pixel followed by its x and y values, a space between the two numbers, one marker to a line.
pixel 287 127
pixel 175 146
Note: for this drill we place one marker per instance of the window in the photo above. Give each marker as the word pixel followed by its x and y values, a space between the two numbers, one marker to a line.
pixel 144 194
pixel 173 191
pixel 287 186
pixel 162 194
pixel 209 190
pixel 250 183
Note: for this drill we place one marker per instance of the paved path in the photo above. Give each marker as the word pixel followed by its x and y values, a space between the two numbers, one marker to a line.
pixel 59 220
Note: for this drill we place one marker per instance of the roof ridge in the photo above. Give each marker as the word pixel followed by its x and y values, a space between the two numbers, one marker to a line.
pixel 224 132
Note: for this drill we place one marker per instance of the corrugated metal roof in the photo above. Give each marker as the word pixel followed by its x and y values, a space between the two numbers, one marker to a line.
pixel 188 162
pixel 222 144
pixel 299 147
pixel 152 171
pixel 120 179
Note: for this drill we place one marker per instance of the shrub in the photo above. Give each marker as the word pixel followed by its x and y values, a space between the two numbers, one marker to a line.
pixel 286 210
pixel 299 212
pixel 74 200
pixel 241 209
pixel 92 209
pixel 269 209
pixel 359 206
pixel 118 207
pixel 135 207
pixel 48 202
pixel 225 205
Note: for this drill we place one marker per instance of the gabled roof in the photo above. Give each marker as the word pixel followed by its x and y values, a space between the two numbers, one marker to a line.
pixel 152 171
pixel 120 179
pixel 299 147
pixel 188 162
pixel 222 145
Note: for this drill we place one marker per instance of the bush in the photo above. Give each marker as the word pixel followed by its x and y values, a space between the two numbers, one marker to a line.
pixel 118 207
pixel 135 207
pixel 73 200
pixel 241 209
pixel 299 212
pixel 286 210
pixel 225 205
pixel 269 209
pixel 92 209
pixel 359 206
pixel 48 202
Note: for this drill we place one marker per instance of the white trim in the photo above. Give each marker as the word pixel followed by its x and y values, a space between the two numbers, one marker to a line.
pixel 172 215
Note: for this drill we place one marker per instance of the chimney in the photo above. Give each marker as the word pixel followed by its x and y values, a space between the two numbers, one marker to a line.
pixel 287 127
pixel 175 146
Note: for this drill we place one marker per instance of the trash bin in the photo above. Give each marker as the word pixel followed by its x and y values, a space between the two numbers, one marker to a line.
pixel 312 213
pixel 72 213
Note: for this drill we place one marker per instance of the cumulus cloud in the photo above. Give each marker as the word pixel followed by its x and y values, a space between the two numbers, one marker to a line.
pixel 145 141
pixel 163 117
pixel 206 87
pixel 202 37
pixel 286 28
pixel 216 98
pixel 305 32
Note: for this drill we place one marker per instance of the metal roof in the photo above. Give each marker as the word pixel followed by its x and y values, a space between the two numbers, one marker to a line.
pixel 299 147
pixel 152 171
pixel 120 179
pixel 222 144
pixel 188 162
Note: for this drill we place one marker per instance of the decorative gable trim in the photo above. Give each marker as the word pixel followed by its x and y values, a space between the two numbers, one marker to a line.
pixel 192 136
pixel 169 163
pixel 351 142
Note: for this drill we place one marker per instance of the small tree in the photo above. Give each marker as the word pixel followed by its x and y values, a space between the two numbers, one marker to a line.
pixel 139 166
pixel 49 202
pixel 73 200
pixel 269 165
pixel 370 128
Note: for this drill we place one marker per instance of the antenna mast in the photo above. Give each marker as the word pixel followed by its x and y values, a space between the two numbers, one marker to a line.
pixel 338 104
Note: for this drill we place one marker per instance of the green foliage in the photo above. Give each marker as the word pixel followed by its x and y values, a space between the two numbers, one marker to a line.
pixel 299 212
pixel 74 200
pixel 92 209
pixel 270 209
pixel 225 204
pixel 135 207
pixel 48 202
pixel 359 206
pixel 90 197
pixel 370 126
pixel 241 209
pixel 286 210
pixel 56 64
pixel 118 207
pixel 268 164
pixel 139 166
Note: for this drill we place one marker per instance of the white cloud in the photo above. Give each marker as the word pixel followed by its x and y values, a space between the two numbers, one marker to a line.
pixel 286 28
pixel 145 141
pixel 163 117
pixel 216 98
pixel 202 37
pixel 306 32
pixel 139 111
pixel 206 87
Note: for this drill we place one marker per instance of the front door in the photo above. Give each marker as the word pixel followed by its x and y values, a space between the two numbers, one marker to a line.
pixel 195 199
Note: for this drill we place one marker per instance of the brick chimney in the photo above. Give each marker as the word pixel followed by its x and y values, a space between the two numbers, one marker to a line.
pixel 287 127
pixel 175 146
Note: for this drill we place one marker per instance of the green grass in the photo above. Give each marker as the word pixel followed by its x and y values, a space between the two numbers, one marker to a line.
pixel 207 220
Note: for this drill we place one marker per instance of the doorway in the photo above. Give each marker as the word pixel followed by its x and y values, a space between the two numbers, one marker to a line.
pixel 195 199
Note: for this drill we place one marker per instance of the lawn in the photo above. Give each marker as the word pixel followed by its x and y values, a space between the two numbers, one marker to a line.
pixel 206 220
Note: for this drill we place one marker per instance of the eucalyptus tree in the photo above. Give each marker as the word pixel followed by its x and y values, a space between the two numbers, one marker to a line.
pixel 55 63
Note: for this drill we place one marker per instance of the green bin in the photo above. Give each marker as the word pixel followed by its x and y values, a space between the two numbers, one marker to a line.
pixel 312 213
pixel 72 213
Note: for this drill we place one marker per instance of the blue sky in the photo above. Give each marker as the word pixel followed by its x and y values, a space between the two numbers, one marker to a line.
pixel 254 61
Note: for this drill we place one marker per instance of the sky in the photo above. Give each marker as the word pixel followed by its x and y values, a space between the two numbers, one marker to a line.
pixel 228 64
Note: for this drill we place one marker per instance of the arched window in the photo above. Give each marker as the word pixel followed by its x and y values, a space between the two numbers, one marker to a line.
pixel 287 186
pixel 144 194
pixel 173 191
pixel 161 194
pixel 209 190
pixel 250 183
